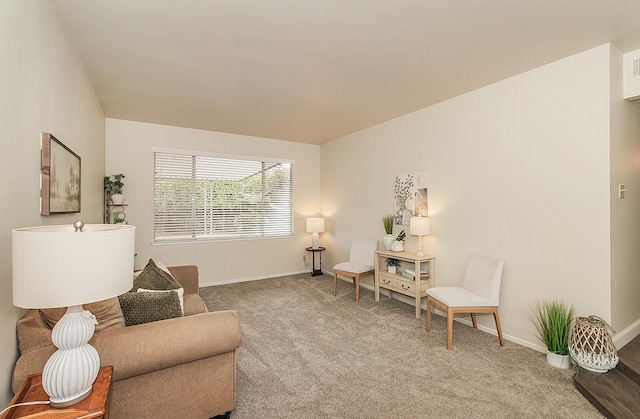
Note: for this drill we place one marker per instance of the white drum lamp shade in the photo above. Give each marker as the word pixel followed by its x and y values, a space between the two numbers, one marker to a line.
pixel 419 226
pixel 315 226
pixel 57 266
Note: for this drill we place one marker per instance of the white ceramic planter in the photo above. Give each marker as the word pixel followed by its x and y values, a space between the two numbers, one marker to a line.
pixel 117 199
pixel 387 241
pixel 391 269
pixel 397 246
pixel 558 361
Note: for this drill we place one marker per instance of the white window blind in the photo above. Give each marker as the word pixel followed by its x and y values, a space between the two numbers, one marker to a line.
pixel 208 197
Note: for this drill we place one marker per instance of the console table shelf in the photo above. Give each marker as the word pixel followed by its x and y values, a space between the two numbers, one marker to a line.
pixel 395 282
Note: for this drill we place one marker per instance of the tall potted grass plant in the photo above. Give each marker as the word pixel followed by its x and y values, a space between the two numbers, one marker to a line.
pixel 553 320
pixel 387 221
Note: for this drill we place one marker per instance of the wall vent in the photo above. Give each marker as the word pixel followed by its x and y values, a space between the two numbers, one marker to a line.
pixel 631 75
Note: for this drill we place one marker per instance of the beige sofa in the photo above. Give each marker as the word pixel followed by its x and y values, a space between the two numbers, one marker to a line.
pixel 183 367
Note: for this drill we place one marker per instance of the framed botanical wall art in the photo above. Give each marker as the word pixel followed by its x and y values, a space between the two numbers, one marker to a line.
pixel 411 197
pixel 60 177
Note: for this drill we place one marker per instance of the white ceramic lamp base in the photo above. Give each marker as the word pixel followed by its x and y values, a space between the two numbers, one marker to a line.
pixel 69 374
pixel 420 253
pixel 315 237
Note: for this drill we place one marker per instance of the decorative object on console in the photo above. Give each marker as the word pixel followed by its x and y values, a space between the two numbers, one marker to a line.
pixel 55 266
pixel 420 226
pixel 387 221
pixel 591 346
pixel 398 243
pixel 392 265
pixel 60 177
pixel 315 226
pixel 552 320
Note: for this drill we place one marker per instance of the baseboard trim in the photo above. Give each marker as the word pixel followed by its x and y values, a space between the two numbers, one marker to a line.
pixel 251 278
pixel 627 335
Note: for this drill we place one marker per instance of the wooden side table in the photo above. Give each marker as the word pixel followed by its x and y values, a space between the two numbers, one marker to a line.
pixel 94 406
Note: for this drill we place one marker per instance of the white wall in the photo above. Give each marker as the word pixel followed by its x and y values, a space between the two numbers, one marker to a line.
pixel 517 170
pixel 625 213
pixel 44 88
pixel 128 152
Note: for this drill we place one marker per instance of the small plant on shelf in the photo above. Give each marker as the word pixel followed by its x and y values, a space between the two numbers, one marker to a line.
pixel 393 262
pixel 113 184
pixel 387 221
pixel 392 265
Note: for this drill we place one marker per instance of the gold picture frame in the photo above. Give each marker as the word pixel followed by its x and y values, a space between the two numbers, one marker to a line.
pixel 60 171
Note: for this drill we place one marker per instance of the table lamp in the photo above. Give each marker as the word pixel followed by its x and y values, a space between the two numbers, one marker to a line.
pixel 315 226
pixel 419 226
pixel 67 266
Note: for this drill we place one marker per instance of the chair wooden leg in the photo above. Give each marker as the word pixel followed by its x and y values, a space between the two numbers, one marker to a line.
pixel 449 328
pixel 428 314
pixel 356 281
pixel 335 283
pixel 498 328
pixel 473 320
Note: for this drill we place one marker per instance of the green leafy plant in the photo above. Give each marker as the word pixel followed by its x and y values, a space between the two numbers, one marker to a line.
pixel 553 320
pixel 401 236
pixel 387 220
pixel 393 262
pixel 113 184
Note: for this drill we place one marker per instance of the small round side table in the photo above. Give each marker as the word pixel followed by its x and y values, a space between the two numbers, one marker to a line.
pixel 319 250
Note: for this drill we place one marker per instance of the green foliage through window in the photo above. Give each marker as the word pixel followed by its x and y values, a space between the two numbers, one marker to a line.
pixel 209 197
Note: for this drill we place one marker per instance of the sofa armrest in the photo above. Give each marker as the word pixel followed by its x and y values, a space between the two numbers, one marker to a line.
pixel 144 348
pixel 187 276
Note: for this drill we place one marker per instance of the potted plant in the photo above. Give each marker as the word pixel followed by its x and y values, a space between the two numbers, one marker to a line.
pixel 398 243
pixel 392 265
pixel 113 184
pixel 553 320
pixel 387 221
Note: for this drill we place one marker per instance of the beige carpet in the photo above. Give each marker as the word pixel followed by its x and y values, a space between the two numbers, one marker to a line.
pixel 308 354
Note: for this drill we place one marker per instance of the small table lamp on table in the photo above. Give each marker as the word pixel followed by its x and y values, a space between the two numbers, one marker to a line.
pixel 55 266
pixel 315 226
pixel 419 226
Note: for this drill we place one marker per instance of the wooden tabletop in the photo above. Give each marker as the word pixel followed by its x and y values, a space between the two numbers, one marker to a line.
pixel 94 406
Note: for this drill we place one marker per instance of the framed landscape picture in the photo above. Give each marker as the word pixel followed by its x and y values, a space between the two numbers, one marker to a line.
pixel 60 177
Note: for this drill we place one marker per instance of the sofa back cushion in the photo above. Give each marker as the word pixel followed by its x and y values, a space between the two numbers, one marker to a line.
pixel 108 314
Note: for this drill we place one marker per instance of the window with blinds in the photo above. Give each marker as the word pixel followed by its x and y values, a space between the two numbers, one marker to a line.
pixel 201 196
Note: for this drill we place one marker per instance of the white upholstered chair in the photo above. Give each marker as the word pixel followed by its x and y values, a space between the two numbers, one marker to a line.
pixel 480 293
pixel 360 264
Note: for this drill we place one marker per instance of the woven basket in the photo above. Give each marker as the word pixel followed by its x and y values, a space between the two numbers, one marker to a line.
pixel 590 345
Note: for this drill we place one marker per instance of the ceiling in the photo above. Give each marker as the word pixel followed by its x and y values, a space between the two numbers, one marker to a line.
pixel 312 71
